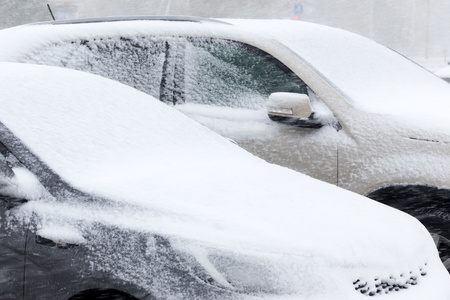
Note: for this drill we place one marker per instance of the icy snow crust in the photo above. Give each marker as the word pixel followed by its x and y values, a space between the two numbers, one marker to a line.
pixel 267 230
pixel 444 72
pixel 375 94
pixel 372 77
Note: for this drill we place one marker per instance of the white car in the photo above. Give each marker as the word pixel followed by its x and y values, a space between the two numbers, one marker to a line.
pixel 342 108
pixel 107 193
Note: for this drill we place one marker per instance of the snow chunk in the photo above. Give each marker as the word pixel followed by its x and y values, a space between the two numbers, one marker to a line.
pixel 23 185
pixel 61 235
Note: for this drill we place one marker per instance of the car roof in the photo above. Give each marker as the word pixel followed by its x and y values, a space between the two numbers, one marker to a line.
pixel 324 49
pixel 133 18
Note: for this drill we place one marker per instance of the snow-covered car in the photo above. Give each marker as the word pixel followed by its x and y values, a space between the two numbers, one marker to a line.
pixel 100 201
pixel 342 108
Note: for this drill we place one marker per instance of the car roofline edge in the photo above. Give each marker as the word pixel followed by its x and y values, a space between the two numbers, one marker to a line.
pixel 132 18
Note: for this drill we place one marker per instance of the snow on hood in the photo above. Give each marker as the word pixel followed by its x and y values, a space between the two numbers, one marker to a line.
pixel 174 177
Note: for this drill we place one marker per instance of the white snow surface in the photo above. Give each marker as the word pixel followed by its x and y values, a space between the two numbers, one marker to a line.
pixel 172 176
pixel 62 235
pixel 444 72
pixel 373 77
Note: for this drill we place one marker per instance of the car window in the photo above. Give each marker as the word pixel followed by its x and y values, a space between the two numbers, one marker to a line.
pixel 6 158
pixel 232 74
pixel 180 70
pixel 135 61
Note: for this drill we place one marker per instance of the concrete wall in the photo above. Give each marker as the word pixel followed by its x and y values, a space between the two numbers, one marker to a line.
pixel 419 29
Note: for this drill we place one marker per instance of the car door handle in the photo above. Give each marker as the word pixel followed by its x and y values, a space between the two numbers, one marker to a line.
pixel 50 243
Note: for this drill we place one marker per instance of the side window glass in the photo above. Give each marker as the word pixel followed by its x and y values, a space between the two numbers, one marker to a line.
pixel 7 159
pixel 136 61
pixel 232 74
pixel 5 169
pixel 7 162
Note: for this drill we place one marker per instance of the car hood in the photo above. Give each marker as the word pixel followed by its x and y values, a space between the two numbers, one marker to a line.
pixel 168 175
pixel 438 135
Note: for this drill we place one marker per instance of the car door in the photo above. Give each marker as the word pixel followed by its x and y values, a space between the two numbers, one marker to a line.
pixel 59 268
pixel 42 257
pixel 52 269
pixel 12 252
pixel 222 84
pixel 227 85
pixel 12 237
pixel 31 265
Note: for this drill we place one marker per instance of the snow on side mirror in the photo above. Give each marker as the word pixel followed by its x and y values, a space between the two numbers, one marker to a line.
pixel 289 105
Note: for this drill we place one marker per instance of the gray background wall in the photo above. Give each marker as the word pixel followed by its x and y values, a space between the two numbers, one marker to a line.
pixel 419 29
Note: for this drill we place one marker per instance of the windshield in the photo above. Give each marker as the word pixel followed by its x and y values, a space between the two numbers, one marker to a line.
pixel 371 76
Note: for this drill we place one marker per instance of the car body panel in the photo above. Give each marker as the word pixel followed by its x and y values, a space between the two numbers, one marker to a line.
pixel 388 116
pixel 12 256
pixel 349 150
pixel 231 214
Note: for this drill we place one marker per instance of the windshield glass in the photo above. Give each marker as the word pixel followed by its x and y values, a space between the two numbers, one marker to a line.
pixel 371 76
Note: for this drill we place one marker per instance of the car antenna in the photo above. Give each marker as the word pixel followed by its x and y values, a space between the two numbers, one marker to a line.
pixel 51 13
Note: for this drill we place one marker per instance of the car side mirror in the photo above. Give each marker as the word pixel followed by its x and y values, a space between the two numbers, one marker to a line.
pixel 292 109
pixel 289 105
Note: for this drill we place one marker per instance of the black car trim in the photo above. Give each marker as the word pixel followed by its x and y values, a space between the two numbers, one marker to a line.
pixel 133 18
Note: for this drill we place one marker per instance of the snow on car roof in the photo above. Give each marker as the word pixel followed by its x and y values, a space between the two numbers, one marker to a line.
pixel 133 18
pixel 176 178
pixel 372 77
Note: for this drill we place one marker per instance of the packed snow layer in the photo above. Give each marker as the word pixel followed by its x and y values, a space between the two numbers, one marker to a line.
pixel 373 77
pixel 444 72
pixel 169 175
